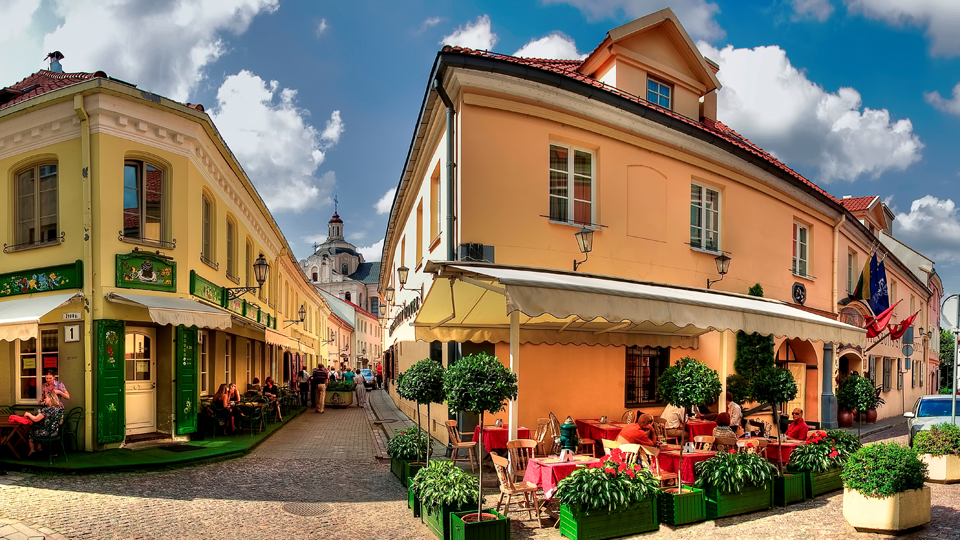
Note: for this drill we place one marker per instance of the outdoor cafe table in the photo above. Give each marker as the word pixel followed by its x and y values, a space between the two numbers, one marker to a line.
pixel 700 427
pixel 777 452
pixel 495 438
pixel 12 435
pixel 592 428
pixel 669 461
pixel 548 472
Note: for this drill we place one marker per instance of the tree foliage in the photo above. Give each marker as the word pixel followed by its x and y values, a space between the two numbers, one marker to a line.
pixel 946 360
pixel 856 393
pixel 688 383
pixel 422 382
pixel 739 387
pixel 479 383
pixel 774 385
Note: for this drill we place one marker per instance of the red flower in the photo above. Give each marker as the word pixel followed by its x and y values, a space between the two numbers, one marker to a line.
pixel 732 451
pixel 833 454
pixel 616 453
pixel 631 473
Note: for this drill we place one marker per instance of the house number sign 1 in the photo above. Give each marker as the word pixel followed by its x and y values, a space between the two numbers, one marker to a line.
pixel 71 333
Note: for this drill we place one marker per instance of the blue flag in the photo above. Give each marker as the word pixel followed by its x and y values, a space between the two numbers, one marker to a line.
pixel 879 300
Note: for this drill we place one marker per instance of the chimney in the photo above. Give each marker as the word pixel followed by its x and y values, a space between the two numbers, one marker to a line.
pixel 54 59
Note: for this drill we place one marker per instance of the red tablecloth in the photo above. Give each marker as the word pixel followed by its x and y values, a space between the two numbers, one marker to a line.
pixel 670 462
pixel 548 475
pixel 695 428
pixel 777 452
pixel 495 438
pixel 591 428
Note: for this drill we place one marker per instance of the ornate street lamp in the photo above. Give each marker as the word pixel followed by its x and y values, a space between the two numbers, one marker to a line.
pixel 261 268
pixel 402 273
pixel 302 314
pixel 390 293
pixel 723 266
pixel 585 242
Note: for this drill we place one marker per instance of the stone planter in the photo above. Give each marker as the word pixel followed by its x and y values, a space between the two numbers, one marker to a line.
pixel 888 515
pixel 789 489
pixel 338 399
pixel 438 518
pixel 479 530
pixel 676 508
pixel 413 503
pixel 943 469
pixel 600 524
pixel 751 499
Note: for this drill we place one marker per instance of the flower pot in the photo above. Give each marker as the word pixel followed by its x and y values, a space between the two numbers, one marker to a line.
pixel 438 518
pixel 943 469
pixel 410 469
pixel 789 489
pixel 845 418
pixel 338 399
pixel 599 524
pixel 497 529
pixel 675 508
pixel 871 416
pixel 751 499
pixel 893 514
pixel 413 503
pixel 823 482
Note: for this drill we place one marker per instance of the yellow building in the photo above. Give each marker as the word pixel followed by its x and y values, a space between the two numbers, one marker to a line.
pixel 130 268
pixel 513 158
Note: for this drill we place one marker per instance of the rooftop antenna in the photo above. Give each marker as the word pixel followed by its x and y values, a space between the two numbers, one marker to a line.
pixel 54 59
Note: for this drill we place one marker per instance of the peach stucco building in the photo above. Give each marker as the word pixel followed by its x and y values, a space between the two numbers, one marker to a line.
pixel 512 156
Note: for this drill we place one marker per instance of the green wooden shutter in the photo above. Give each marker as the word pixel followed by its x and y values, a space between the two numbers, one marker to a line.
pixel 111 420
pixel 187 397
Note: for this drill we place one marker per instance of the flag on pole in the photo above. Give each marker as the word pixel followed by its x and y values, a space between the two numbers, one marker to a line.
pixel 862 291
pixel 897 330
pixel 876 325
pixel 879 300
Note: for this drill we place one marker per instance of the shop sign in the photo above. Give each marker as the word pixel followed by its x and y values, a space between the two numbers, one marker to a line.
pixel 409 310
pixel 50 278
pixel 205 289
pixel 235 305
pixel 146 271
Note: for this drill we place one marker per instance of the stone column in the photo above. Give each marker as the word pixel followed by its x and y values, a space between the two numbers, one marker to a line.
pixel 828 402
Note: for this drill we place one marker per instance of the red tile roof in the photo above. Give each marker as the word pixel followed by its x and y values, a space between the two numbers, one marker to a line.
pixel 569 68
pixel 40 83
pixel 858 204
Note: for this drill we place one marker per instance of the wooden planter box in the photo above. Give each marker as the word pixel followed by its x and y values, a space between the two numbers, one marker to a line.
pixel 479 530
pixel 789 489
pixel 396 467
pixel 819 483
pixel 410 469
pixel 751 499
pixel 438 518
pixel 413 503
pixel 943 469
pixel 681 508
pixel 889 515
pixel 338 399
pixel 599 524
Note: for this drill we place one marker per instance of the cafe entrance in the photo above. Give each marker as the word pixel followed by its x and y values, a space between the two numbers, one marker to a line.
pixel 141 385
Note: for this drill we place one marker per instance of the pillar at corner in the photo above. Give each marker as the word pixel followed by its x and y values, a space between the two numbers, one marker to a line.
pixel 828 402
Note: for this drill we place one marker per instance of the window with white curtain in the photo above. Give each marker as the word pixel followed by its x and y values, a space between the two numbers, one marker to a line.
pixel 704 218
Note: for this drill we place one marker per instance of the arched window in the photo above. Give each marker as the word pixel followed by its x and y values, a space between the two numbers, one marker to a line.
pixel 346 296
pixel 344 269
pixel 37 205
pixel 143 193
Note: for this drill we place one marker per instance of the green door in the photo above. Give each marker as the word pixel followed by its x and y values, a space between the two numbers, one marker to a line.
pixel 111 420
pixel 186 383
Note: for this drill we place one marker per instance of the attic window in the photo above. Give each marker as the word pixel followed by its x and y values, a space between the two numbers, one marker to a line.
pixel 658 93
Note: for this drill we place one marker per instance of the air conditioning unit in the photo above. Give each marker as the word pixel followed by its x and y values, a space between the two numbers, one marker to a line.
pixel 475 253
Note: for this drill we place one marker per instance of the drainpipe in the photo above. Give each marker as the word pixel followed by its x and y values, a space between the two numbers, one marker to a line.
pixel 87 179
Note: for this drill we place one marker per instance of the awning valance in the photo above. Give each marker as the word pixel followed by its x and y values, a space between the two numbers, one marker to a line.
pixel 282 340
pixel 473 302
pixel 20 318
pixel 176 311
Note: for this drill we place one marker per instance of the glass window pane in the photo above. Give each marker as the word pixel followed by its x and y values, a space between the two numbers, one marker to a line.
pixel 652 97
pixel 558 208
pixel 652 85
pixel 582 163
pixel 582 188
pixel 131 201
pixel 665 102
pixel 558 158
pixel 665 91
pixel 153 211
pixel 558 184
pixel 582 213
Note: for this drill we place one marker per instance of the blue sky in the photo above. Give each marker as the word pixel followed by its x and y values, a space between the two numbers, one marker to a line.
pixel 320 98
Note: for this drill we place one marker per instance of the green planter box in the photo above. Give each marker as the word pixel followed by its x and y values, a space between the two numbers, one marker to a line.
pixel 479 530
pixel 751 499
pixel 413 503
pixel 438 518
pixel 410 469
pixel 397 468
pixel 599 524
pixel 789 489
pixel 820 483
pixel 681 508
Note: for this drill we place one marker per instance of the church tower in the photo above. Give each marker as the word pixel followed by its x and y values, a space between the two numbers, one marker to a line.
pixel 335 228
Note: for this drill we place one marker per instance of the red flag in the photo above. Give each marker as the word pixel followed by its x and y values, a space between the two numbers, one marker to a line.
pixel 878 324
pixel 897 330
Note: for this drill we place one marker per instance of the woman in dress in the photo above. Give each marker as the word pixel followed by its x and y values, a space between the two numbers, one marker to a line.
pixel 47 423
pixel 360 389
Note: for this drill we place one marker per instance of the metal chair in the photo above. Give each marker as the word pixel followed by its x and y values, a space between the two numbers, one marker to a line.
pixel 510 488
pixel 253 419
pixel 703 442
pixel 48 442
pixel 71 426
pixel 456 444
pixel 521 452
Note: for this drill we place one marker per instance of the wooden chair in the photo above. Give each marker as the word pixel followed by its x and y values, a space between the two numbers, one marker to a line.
pixel 703 442
pixel 748 446
pixel 660 426
pixel 649 460
pixel 555 434
pixel 458 445
pixel 543 431
pixel 762 448
pixel 628 417
pixel 586 442
pixel 609 445
pixel 511 488
pixel 521 452
pixel 630 452
pixel 723 444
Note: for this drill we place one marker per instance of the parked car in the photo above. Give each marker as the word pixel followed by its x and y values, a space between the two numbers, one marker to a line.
pixel 928 411
pixel 369 379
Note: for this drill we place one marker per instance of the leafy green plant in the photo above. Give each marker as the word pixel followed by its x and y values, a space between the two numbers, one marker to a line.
pixel 731 472
pixel 479 383
pixel 614 486
pixel 857 393
pixel 939 440
pixel 422 383
pixel 824 452
pixel 443 483
pixel 774 385
pixel 408 444
pixel 739 386
pixel 884 469
pixel 340 386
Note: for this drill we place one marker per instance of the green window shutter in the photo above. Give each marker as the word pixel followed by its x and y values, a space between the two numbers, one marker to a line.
pixel 186 384
pixel 111 420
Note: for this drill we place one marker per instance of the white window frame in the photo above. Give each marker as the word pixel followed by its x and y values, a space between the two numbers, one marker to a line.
pixel 141 167
pixel 204 338
pixel 798 246
pixel 38 363
pixel 571 212
pixel 249 360
pixel 231 234
pixel 227 357
pixel 851 271
pixel 703 219
pixel 658 92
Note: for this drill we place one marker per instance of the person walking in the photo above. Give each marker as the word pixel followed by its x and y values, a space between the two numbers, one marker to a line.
pixel 303 383
pixel 379 376
pixel 360 389
pixel 319 380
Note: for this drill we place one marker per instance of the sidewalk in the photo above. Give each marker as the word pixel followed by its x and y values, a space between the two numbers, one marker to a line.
pixel 881 425
pixel 385 415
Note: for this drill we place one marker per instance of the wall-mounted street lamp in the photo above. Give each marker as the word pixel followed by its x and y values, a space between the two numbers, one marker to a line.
pixel 723 266
pixel 585 242
pixel 333 337
pixel 390 294
pixel 261 268
pixel 402 273
pixel 302 314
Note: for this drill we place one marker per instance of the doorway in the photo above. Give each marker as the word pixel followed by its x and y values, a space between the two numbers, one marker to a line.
pixel 141 384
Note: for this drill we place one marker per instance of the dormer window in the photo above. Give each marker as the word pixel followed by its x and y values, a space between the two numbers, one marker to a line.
pixel 659 93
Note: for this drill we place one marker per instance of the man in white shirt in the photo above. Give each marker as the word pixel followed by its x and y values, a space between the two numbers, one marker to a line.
pixel 676 417
pixel 735 412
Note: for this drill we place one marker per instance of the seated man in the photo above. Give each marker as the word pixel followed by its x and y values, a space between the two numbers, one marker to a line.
pixel 736 414
pixel 797 430
pixel 675 418
pixel 640 432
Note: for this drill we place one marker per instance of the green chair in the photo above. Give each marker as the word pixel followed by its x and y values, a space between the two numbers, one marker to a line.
pixel 71 426
pixel 253 419
pixel 49 441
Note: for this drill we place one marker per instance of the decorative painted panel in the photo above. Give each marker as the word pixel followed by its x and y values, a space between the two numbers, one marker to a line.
pixel 111 417
pixel 188 406
pixel 235 305
pixel 50 278
pixel 205 289
pixel 146 271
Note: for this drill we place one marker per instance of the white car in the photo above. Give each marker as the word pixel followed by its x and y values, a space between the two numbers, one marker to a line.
pixel 928 411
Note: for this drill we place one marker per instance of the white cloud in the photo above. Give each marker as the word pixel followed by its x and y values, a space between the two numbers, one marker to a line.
pixel 768 100
pixel 812 9
pixel 474 35
pixel 556 45
pixel 940 18
pixel 372 253
pixel 696 16
pixel 429 23
pixel 17 17
pixel 312 239
pixel 274 141
pixel 333 130
pixel 943 104
pixel 385 203
pixel 932 227
pixel 322 26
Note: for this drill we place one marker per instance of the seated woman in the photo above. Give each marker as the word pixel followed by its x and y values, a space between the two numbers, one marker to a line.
pixel 640 432
pixel 723 428
pixel 221 404
pixel 234 393
pixel 47 423
pixel 272 392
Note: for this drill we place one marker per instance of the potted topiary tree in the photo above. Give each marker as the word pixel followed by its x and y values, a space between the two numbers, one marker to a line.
pixel 857 393
pixel 422 383
pixel 736 483
pixel 479 383
pixel 939 448
pixel 774 386
pixel 821 460
pixel 884 491
pixel 404 447
pixel 615 499
pixel 685 384
pixel 443 489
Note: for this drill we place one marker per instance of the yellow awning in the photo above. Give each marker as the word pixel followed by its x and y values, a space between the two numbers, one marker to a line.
pixel 473 302
pixel 176 311
pixel 20 318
